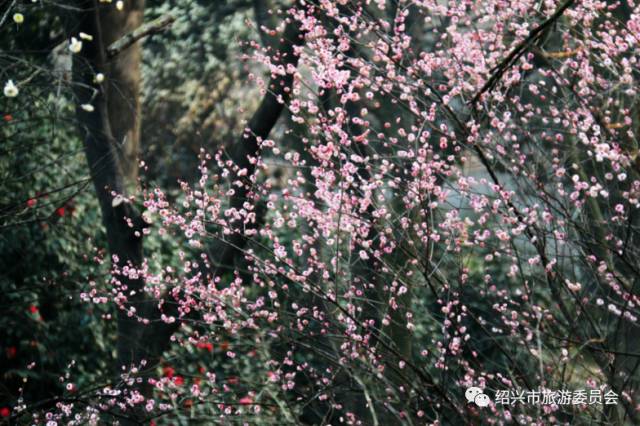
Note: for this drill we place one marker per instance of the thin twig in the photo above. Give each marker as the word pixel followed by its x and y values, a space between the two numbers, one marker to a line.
pixel 6 13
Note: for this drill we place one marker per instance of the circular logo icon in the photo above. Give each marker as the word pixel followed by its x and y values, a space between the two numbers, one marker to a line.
pixel 482 400
pixel 471 393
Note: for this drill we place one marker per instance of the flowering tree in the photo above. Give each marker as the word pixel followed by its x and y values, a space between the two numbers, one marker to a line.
pixel 453 206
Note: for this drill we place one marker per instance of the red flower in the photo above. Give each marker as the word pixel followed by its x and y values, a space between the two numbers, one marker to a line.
pixel 246 400
pixel 60 211
pixel 233 380
pixel 5 412
pixel 8 117
pixel 205 345
pixel 178 380
pixel 31 202
pixel 33 309
pixel 168 371
pixel 12 351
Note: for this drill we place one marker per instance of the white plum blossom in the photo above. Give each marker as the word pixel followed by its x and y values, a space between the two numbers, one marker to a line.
pixel 75 45
pixel 10 89
pixel 87 107
pixel 117 200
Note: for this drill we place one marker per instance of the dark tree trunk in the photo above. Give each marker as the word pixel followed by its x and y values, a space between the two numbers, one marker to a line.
pixel 125 242
pixel 259 127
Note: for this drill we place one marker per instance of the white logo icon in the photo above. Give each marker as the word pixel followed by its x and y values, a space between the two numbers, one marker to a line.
pixel 475 395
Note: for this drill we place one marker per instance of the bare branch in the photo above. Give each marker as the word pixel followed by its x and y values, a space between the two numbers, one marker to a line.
pixel 153 27
pixel 519 50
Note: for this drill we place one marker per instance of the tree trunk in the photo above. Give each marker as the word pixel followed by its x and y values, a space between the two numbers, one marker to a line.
pixel 125 242
pixel 123 83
